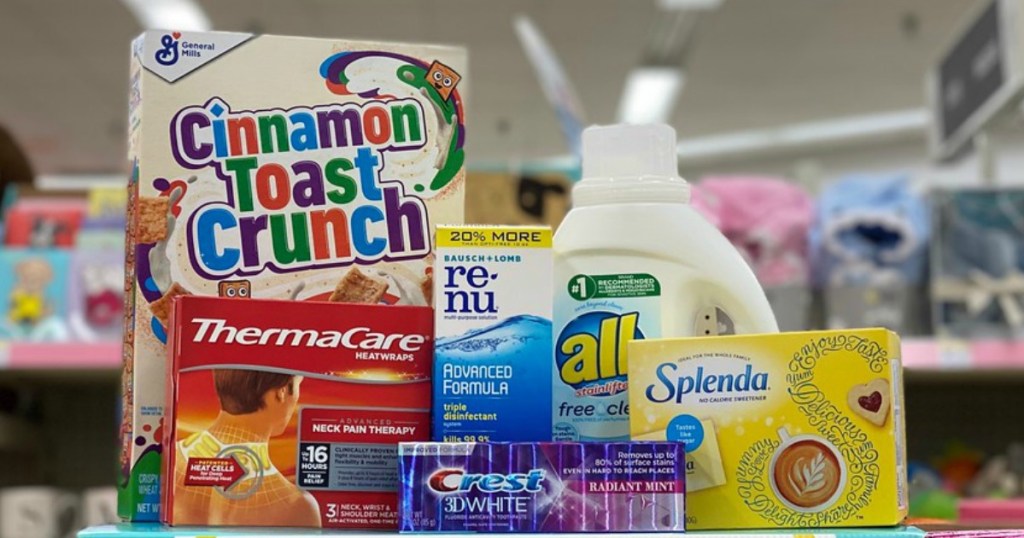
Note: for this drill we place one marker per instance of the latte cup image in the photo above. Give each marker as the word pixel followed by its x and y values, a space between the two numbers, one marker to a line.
pixel 807 472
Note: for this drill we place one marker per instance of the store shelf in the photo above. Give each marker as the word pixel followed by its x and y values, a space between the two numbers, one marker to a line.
pixel 158 531
pixel 991 512
pixel 965 531
pixel 938 354
pixel 60 356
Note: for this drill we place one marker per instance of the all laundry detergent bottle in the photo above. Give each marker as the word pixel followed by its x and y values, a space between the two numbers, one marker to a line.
pixel 633 260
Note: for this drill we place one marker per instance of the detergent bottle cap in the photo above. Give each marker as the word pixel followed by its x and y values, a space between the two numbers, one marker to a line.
pixel 630 164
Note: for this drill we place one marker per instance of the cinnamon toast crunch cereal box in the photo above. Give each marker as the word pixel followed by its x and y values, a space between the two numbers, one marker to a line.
pixel 278 168
pixel 281 413
pixel 793 430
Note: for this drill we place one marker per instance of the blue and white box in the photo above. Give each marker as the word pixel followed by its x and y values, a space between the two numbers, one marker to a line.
pixel 493 350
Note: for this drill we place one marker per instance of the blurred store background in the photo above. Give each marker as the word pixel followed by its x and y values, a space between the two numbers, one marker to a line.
pixel 867 157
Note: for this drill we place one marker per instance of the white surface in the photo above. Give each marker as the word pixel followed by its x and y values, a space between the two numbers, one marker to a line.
pixel 629 151
pixel 629 163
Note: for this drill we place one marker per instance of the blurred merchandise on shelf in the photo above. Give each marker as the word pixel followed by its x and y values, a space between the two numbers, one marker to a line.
pixel 33 288
pixel 958 465
pixel 1002 476
pixel 43 222
pixel 38 512
pixel 107 203
pixel 99 506
pixel 105 223
pixel 105 233
pixel 966 487
pixel 978 282
pixel 62 266
pixel 501 198
pixel 96 294
pixel 934 505
pixel 767 219
pixel 49 512
pixel 790 430
pixel 869 252
pixel 870 231
pixel 542 487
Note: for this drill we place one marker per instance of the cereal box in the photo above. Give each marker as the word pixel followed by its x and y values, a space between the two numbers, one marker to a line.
pixel 279 168
pixel 289 414
pixel 792 430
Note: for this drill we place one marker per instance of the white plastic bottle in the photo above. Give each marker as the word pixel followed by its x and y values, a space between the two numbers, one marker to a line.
pixel 634 260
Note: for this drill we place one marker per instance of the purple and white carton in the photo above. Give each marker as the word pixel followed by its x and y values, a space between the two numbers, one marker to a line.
pixel 542 487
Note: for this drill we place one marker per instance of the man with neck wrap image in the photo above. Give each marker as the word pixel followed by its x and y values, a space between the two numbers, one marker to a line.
pixel 254 407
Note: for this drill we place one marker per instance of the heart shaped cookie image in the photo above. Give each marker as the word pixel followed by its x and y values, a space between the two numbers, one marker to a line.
pixel 871 400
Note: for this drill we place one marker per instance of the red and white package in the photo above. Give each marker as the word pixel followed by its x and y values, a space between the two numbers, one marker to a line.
pixel 289 413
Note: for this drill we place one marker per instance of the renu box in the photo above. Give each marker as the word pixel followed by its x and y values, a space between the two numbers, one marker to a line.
pixel 492 313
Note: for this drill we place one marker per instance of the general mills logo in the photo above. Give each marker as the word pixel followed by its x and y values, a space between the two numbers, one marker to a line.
pixel 167 54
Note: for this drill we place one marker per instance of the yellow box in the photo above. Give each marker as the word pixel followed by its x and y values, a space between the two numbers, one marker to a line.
pixel 791 430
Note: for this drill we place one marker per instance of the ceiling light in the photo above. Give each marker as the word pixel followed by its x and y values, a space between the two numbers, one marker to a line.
pixel 169 14
pixel 804 137
pixel 650 94
pixel 677 5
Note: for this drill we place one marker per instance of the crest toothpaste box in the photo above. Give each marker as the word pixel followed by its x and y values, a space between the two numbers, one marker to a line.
pixel 290 414
pixel 277 168
pixel 794 430
pixel 542 487
pixel 493 304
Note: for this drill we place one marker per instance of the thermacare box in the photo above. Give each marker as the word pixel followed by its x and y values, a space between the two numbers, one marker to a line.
pixel 290 414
